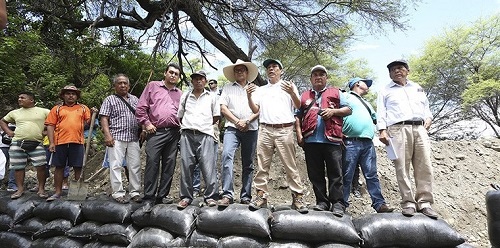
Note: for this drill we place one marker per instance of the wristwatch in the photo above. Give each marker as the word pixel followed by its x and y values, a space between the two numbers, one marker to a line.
pixel 247 121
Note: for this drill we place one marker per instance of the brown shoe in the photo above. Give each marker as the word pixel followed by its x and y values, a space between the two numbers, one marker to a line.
pixel 408 211
pixel 298 203
pixel 385 209
pixel 225 201
pixel 259 201
pixel 429 212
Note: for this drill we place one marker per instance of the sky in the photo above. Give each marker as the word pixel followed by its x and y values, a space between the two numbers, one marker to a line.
pixel 429 19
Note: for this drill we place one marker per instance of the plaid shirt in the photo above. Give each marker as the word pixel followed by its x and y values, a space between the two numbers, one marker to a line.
pixel 122 122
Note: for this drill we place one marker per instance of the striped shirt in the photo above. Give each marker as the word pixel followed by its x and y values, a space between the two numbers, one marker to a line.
pixel 234 96
pixel 122 122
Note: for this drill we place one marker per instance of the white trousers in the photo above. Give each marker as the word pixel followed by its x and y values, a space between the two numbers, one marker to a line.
pixel 116 154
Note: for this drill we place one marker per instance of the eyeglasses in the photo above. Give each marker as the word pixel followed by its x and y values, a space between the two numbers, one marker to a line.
pixel 239 70
pixel 211 83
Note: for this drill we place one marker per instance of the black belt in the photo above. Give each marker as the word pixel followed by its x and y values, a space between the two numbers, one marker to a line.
pixel 193 131
pixel 357 138
pixel 410 123
pixel 278 125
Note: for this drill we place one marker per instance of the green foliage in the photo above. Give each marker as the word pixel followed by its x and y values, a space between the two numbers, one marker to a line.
pixel 480 92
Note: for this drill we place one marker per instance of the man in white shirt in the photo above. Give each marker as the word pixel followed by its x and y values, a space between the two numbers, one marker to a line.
pixel 404 117
pixel 276 102
pixel 241 129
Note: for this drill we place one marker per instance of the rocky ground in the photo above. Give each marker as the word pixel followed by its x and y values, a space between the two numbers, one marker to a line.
pixel 463 171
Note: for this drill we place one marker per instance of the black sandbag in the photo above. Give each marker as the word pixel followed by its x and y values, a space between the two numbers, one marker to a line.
pixel 97 244
pixel 86 230
pixel 105 211
pixel 142 216
pixel 151 237
pixel 236 219
pixel 281 208
pixel 287 244
pixel 29 226
pixel 54 228
pixel 5 221
pixel 113 233
pixel 173 220
pixel 19 209
pixel 394 229
pixel 335 245
pixel 14 240
pixel 70 210
pixel 177 242
pixel 240 241
pixel 200 239
pixel 57 242
pixel 313 227
pixel 493 216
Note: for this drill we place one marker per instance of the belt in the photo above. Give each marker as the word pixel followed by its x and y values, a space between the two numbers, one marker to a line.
pixel 410 123
pixel 278 125
pixel 193 131
pixel 357 138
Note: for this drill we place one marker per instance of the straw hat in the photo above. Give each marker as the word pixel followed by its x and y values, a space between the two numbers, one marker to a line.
pixel 251 67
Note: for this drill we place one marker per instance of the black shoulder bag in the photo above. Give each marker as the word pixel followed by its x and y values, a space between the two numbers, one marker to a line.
pixel 139 130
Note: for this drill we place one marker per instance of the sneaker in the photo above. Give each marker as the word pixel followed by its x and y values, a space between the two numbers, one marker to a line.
pixel 298 203
pixel 259 202
pixel 211 203
pixel 11 189
pixel 384 209
pixel 225 201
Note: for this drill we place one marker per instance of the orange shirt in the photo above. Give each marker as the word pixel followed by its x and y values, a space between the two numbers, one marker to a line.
pixel 68 122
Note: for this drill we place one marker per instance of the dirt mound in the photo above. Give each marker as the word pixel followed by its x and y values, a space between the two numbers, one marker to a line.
pixel 463 171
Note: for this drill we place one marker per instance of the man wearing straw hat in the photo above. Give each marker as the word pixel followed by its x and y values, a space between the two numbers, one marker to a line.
pixel 65 125
pixel 241 129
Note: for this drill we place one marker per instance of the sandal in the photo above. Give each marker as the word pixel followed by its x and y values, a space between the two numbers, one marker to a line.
pixel 121 199
pixel 16 195
pixel 53 197
pixel 42 195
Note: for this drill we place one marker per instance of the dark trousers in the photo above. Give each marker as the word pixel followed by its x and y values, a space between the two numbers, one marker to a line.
pixel 319 155
pixel 161 146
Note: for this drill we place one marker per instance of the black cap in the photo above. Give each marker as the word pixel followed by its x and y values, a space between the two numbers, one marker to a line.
pixel 398 62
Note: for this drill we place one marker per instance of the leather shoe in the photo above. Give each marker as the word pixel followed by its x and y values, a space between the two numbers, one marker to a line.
pixel 408 211
pixel 320 207
pixel 338 209
pixel 384 209
pixel 429 212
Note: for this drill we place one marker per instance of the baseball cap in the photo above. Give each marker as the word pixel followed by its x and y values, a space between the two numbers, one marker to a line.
pixel 318 68
pixel 398 62
pixel 351 83
pixel 199 73
pixel 267 62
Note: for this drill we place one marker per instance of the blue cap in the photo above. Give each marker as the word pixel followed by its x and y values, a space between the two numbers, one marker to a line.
pixel 267 62
pixel 351 83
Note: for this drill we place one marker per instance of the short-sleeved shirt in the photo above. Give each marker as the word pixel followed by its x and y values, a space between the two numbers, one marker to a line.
pixel 122 122
pixel 29 123
pixel 359 124
pixel 234 96
pixel 275 105
pixel 198 113
pixel 69 123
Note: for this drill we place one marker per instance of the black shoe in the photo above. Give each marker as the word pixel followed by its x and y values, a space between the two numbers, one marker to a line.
pixel 338 209
pixel 320 207
pixel 384 209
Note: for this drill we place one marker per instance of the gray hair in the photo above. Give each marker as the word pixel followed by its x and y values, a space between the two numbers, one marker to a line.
pixel 115 78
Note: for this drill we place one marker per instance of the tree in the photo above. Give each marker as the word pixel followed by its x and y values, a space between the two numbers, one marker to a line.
pixel 459 71
pixel 223 22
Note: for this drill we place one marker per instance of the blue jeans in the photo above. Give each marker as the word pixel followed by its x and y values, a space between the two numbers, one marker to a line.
pixel 248 141
pixel 11 184
pixel 362 152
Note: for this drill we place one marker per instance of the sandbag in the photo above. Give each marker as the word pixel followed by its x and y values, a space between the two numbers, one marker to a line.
pixel 120 234
pixel 177 242
pixel 29 226
pixel 493 216
pixel 236 219
pixel 313 227
pixel 240 241
pixel 394 229
pixel 14 240
pixel 85 231
pixel 69 210
pixel 199 239
pixel 54 228
pixel 97 244
pixel 287 244
pixel 173 220
pixel 107 211
pixel 335 245
pixel 5 221
pixel 19 209
pixel 57 242
pixel 142 216
pixel 151 237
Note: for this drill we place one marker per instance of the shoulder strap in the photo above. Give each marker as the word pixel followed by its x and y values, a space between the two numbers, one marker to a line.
pixel 126 103
pixel 366 106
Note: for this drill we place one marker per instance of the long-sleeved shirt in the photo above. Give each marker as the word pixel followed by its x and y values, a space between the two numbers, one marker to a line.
pixel 158 105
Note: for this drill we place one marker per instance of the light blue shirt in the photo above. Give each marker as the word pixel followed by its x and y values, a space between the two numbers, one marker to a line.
pixel 360 123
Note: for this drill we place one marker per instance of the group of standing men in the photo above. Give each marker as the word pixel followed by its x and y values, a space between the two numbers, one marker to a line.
pixel 259 119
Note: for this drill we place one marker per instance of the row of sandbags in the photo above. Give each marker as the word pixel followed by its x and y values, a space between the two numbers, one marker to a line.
pixel 493 215
pixel 105 223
